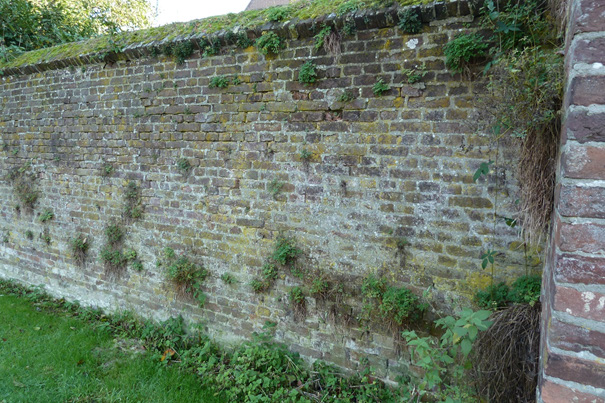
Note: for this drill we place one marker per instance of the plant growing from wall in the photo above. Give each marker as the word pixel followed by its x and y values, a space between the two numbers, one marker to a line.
pixel 106 169
pixel 183 165
pixel 346 96
pixel 267 278
pixel 46 215
pixel 210 46
pixel 409 21
pixel 219 82
pixel 45 236
pixel 269 43
pixel 285 251
pixel 380 87
pixel 111 253
pixel 297 300
pixel 279 13
pixel 182 51
pixel 29 234
pixel 228 278
pixel 415 74
pixel 274 187
pixel 23 182
pixel 133 205
pixel 79 246
pixel 307 73
pixel 187 276
pixel 464 49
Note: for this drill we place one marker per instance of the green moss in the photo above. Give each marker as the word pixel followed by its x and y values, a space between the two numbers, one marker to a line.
pixel 100 46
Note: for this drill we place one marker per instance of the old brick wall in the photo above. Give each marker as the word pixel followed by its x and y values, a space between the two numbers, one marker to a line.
pixel 382 168
pixel 573 344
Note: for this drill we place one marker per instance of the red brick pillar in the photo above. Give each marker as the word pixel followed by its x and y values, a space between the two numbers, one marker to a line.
pixel 573 328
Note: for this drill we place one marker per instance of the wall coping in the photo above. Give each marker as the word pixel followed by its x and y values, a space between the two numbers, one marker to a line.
pixel 98 50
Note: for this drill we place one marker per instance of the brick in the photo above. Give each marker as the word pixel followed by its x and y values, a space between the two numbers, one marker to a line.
pixel 553 392
pixel 576 370
pixel 589 16
pixel 576 338
pixel 585 201
pixel 573 268
pixel 584 304
pixel 585 91
pixel 588 238
pixel 583 161
pixel 585 126
pixel 589 50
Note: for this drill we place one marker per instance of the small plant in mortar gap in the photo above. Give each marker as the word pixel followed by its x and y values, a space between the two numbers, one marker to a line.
pixel 228 278
pixel 23 182
pixel 29 234
pixel 346 96
pixel 106 169
pixel 79 246
pixel 219 82
pixel 45 236
pixel 415 74
pixel 409 21
pixel 46 215
pixel 307 73
pixel 274 187
pixel 133 207
pixel 380 87
pixel 285 251
pixel 183 165
pixel 268 277
pixel 463 50
pixel 111 253
pixel 186 275
pixel 444 361
pixel 269 43
pixel 401 307
pixel 182 51
pixel 298 303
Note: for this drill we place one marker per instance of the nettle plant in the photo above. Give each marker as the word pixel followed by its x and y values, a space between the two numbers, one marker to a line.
pixel 185 274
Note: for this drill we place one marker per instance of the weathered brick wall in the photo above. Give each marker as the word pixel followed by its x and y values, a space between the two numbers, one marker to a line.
pixel 573 344
pixel 382 168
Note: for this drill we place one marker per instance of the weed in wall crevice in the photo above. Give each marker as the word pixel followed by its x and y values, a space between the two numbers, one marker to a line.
pixel 23 181
pixel 79 246
pixel 186 275
pixel 298 303
pixel 133 205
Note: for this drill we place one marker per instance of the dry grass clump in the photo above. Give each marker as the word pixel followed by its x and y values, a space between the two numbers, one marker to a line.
pixel 506 355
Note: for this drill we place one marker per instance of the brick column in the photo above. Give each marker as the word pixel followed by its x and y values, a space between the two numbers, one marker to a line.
pixel 573 328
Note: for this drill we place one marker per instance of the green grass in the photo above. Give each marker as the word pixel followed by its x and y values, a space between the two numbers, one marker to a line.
pixel 53 357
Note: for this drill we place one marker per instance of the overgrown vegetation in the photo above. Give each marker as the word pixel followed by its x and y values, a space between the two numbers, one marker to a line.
pixel 111 253
pixel 409 21
pixel 219 82
pixel 525 290
pixel 380 87
pixel 187 276
pixel 463 50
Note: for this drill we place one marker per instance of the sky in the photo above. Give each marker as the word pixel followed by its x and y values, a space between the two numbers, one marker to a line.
pixel 187 10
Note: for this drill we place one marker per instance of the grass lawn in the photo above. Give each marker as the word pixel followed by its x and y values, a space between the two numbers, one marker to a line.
pixel 52 357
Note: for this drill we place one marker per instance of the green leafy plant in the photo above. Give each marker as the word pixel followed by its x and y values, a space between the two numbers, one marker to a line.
pixel 133 205
pixel 79 246
pixel 269 43
pixel 526 289
pixel 307 73
pixel 181 51
pixel 349 6
pixel 274 187
pixel 493 297
pixel 46 215
pixel 298 302
pixel 321 36
pixel 210 46
pixel 346 96
pixel 380 87
pixel 285 251
pixel 219 82
pixel 278 13
pixel 186 275
pixel 183 165
pixel 228 278
pixel 409 21
pixel 268 277
pixel 305 155
pixel 443 362
pixel 416 74
pixel 464 49
pixel 483 170
pixel 401 306
pixel 45 236
pixel 106 169
pixel 111 253
pixel 29 235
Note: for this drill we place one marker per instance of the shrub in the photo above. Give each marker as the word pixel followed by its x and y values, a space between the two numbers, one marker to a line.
pixel 307 73
pixel 269 43
pixel 409 21
pixel 463 49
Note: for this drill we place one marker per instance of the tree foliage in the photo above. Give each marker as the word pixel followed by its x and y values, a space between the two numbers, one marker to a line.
pixel 33 24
